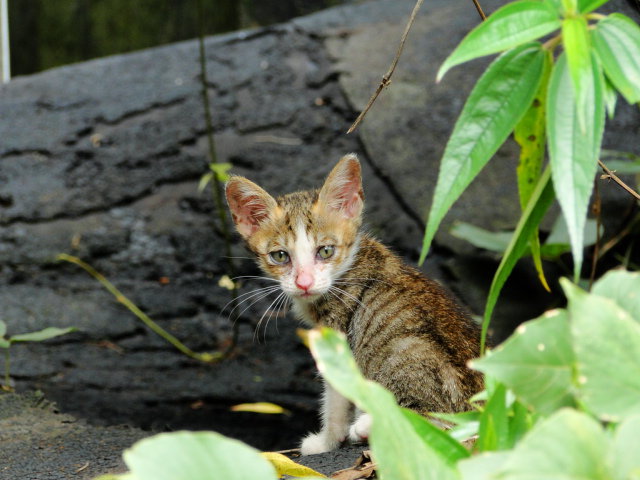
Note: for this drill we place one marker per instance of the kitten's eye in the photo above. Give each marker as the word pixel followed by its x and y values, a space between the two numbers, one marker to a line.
pixel 326 251
pixel 279 256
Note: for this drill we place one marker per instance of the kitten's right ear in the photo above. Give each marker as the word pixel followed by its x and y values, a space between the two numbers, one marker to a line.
pixel 249 204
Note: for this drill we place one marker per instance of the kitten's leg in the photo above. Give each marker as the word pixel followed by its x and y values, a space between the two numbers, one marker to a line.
pixel 335 424
pixel 360 429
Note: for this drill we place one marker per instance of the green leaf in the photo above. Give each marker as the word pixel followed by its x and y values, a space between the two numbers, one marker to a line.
pixel 574 152
pixel 536 362
pixel 610 98
pixel 606 342
pixel 494 423
pixel 625 448
pixel 623 288
pixel 621 162
pixel 539 203
pixel 577 45
pixel 221 170
pixel 481 238
pixel 520 422
pixel 496 103
pixel 510 26
pixel 530 133
pixel 3 329
pixel 586 6
pixel 204 181
pixel 41 335
pixel 397 447
pixel 569 7
pixel 451 450
pixel 616 40
pixel 196 455
pixel 483 466
pixel 568 445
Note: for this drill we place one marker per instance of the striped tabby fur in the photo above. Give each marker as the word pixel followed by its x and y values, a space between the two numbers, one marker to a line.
pixel 405 331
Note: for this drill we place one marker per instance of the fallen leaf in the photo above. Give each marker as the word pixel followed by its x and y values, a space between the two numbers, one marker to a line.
pixel 362 469
pixel 285 466
pixel 260 407
pixel 226 282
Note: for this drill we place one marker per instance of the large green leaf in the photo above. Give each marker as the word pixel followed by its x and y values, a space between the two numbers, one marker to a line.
pixel 616 39
pixel 574 152
pixel 509 26
pixel 397 447
pixel 623 288
pixel 497 102
pixel 577 45
pixel 41 335
pixel 625 448
pixel 569 445
pixel 539 203
pixel 536 363
pixel 196 455
pixel 606 341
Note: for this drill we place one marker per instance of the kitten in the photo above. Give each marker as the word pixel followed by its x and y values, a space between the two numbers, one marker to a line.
pixel 405 331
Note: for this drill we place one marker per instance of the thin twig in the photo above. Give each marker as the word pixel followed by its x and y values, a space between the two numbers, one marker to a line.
pixel 615 178
pixel 386 78
pixel 479 8
pixel 597 211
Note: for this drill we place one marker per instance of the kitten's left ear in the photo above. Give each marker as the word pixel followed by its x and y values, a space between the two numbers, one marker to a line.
pixel 342 190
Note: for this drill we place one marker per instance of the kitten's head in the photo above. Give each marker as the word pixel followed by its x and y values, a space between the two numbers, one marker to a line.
pixel 306 240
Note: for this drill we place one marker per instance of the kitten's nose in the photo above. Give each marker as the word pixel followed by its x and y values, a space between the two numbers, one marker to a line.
pixel 304 280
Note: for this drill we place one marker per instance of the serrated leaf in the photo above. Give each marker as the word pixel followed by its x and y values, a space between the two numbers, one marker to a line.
pixel 396 445
pixel 285 466
pixel 539 203
pixel 567 445
pixel 577 46
pixel 586 6
pixel 606 342
pixel 196 455
pixel 616 40
pixel 536 363
pixel 41 335
pixel 623 288
pixel 510 26
pixel 574 151
pixel 496 103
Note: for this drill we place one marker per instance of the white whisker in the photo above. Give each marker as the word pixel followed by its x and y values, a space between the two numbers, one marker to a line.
pixel 257 330
pixel 348 295
pixel 250 293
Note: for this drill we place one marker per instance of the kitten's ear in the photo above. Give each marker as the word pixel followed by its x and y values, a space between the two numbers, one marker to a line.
pixel 249 204
pixel 342 190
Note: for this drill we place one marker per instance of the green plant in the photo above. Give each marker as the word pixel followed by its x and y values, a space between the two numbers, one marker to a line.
pixel 558 101
pixel 561 401
pixel 7 342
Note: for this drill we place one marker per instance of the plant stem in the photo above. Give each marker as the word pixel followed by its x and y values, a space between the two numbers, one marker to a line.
pixel 133 308
pixel 479 9
pixel 7 369
pixel 217 187
pixel 615 178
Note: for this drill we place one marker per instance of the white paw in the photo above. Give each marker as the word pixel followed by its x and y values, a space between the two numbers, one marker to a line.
pixel 360 429
pixel 318 443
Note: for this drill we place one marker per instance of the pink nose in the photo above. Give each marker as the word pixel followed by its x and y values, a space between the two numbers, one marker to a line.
pixel 304 281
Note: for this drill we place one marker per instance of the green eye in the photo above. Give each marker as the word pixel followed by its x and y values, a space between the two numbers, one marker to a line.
pixel 279 256
pixel 326 251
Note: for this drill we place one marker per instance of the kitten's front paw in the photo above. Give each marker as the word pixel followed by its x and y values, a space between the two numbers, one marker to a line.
pixel 317 443
pixel 359 430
